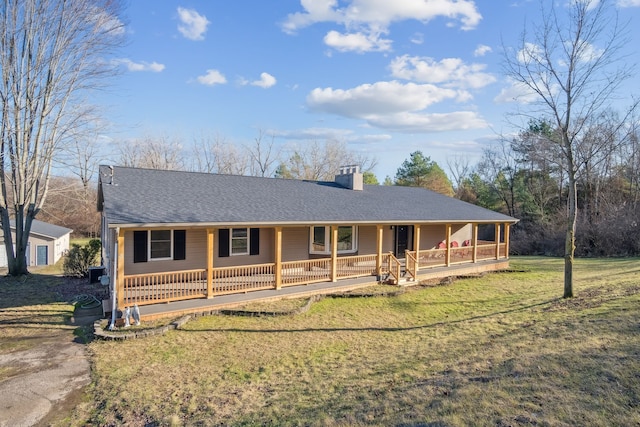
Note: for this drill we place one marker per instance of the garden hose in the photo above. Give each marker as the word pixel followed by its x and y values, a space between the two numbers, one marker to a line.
pixel 86 301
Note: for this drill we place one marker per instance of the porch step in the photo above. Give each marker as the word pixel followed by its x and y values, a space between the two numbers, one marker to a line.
pixel 404 281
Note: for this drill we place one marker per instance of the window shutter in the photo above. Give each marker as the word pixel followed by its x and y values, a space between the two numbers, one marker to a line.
pixel 223 242
pixel 140 243
pixel 254 241
pixel 179 244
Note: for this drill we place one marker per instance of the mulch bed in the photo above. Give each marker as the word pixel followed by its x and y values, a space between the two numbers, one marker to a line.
pixel 70 288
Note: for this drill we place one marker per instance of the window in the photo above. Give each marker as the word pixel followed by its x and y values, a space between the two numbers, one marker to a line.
pixel 160 244
pixel 239 241
pixel 321 239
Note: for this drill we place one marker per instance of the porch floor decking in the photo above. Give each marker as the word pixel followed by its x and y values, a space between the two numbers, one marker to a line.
pixel 204 305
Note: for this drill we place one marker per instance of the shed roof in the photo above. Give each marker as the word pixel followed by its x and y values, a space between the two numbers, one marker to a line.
pixel 45 229
pixel 137 197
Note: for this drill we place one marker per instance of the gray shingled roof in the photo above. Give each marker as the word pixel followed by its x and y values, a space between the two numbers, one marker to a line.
pixel 145 196
pixel 46 229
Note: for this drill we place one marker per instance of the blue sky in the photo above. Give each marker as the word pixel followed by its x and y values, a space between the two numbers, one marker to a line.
pixel 387 77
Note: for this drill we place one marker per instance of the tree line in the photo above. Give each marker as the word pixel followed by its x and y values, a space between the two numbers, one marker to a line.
pixel 526 178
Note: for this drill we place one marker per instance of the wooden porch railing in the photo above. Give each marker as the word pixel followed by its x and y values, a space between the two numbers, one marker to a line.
pixel 411 264
pixel 245 278
pixel 180 285
pixel 486 251
pixel 155 288
pixel 356 266
pixel 395 269
pixel 307 271
pixel 461 254
pixel 432 258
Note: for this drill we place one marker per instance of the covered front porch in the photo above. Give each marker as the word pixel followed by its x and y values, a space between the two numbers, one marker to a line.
pixel 188 291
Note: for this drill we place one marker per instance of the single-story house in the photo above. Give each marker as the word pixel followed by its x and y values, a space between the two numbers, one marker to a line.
pixel 174 235
pixel 46 245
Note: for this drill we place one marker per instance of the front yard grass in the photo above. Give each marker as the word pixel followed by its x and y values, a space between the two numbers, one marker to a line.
pixel 499 350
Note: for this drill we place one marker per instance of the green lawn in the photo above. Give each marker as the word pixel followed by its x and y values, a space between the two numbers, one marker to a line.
pixel 501 350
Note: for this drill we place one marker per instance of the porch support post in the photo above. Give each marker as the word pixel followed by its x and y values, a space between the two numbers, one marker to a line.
pixel 416 244
pixel 210 235
pixel 506 239
pixel 379 233
pixel 278 260
pixel 120 270
pixel 334 253
pixel 474 241
pixel 497 241
pixel 448 241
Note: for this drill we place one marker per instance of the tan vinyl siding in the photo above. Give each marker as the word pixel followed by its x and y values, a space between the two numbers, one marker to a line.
pixel 432 235
pixel 196 250
pixel 367 240
pixel 388 239
pixel 295 243
pixel 460 233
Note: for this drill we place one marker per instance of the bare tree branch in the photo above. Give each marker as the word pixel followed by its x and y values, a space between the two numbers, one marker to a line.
pixel 51 51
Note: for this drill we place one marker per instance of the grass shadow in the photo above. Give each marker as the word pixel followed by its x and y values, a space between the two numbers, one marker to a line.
pixel 382 329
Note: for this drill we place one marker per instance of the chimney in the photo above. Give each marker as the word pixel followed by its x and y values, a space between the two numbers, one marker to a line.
pixel 350 177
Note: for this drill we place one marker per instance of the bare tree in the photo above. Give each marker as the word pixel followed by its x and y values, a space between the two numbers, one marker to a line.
pixel 460 169
pixel 152 152
pixel 262 156
pixel 573 66
pixel 214 154
pixel 499 168
pixel 51 52
pixel 321 161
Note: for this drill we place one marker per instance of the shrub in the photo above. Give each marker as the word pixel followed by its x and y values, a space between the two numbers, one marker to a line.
pixel 80 258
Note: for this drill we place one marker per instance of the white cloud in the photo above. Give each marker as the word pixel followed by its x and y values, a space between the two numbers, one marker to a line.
pixel 378 98
pixel 394 105
pixel 356 42
pixel 628 3
pixel 382 13
pixel 530 53
pixel 516 92
pixel 213 77
pixel 315 11
pixel 320 133
pixel 108 22
pixel 588 52
pixel 141 66
pixel 365 20
pixel 265 82
pixel 482 50
pixel 193 25
pixel 418 38
pixel 422 122
pixel 452 72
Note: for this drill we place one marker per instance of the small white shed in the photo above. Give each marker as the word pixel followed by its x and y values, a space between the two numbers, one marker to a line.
pixel 47 243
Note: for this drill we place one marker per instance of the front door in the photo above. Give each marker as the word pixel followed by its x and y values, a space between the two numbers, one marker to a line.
pixel 42 255
pixel 402 240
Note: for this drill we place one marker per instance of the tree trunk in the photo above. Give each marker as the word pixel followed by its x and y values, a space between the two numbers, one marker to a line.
pixel 570 240
pixel 18 262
